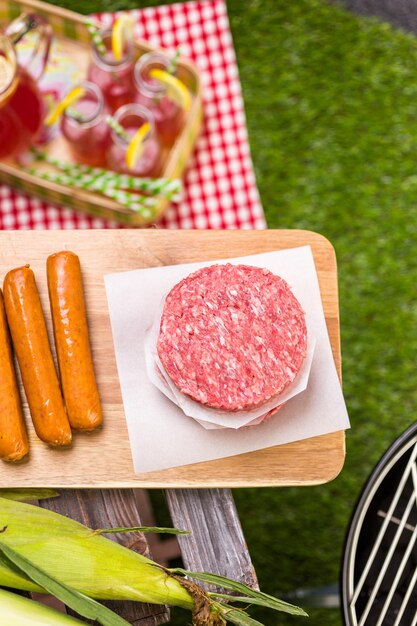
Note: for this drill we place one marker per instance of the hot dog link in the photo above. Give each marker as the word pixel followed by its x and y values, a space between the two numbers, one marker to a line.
pixel 30 340
pixel 72 343
pixel 13 437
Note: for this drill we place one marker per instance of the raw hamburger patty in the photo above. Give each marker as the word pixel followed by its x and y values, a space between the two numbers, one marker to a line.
pixel 232 336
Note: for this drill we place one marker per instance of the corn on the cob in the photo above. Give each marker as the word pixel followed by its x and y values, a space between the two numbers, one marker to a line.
pixel 81 559
pixel 18 611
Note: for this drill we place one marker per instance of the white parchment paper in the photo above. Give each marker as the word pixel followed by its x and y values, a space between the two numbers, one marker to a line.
pixel 161 435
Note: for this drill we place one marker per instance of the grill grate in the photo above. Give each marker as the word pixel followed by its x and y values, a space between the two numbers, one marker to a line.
pixel 382 561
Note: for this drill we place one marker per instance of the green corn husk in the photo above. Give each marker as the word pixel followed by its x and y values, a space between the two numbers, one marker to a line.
pixel 59 553
pixel 18 611
pixel 86 561
pixel 84 605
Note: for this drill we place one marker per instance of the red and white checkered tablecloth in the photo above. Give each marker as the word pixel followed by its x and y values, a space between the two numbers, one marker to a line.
pixel 220 186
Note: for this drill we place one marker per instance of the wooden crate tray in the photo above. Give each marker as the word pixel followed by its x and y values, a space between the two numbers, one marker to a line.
pixel 70 31
pixel 103 459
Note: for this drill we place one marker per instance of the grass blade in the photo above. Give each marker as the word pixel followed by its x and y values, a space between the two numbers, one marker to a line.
pixel 263 598
pixel 85 606
pixel 26 495
pixel 141 529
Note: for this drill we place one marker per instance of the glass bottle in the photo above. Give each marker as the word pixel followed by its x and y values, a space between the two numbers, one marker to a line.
pixel 169 117
pixel 85 128
pixel 115 78
pixel 22 109
pixel 131 117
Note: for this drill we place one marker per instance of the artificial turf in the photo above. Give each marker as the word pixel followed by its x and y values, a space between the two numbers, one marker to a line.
pixel 331 103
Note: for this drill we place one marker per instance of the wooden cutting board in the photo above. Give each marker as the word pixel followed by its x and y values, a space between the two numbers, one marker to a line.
pixel 103 459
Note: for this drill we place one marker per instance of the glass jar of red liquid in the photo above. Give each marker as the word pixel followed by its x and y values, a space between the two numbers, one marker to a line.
pixel 169 117
pixel 115 78
pixel 85 128
pixel 131 117
pixel 22 108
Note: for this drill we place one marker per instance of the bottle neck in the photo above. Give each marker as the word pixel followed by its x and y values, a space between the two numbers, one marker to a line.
pixel 89 110
pixel 131 117
pixel 107 61
pixel 144 83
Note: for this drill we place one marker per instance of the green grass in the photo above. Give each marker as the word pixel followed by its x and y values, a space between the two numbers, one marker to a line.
pixel 331 102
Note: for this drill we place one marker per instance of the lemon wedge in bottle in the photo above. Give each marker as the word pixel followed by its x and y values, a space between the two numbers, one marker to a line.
pixel 72 96
pixel 175 88
pixel 122 32
pixel 135 148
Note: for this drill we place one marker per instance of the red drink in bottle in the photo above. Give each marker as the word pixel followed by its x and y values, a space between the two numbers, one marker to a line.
pixel 115 78
pixel 85 128
pixel 169 117
pixel 131 117
pixel 21 114
pixel 22 108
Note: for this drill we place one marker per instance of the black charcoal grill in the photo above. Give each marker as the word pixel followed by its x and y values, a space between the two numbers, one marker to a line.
pixel 379 576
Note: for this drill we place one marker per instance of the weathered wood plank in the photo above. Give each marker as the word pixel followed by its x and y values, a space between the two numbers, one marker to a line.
pixel 110 509
pixel 163 550
pixel 217 543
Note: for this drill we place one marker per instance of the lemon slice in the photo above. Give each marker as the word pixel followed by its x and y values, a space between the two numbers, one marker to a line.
pixel 122 32
pixel 176 90
pixel 73 96
pixel 135 148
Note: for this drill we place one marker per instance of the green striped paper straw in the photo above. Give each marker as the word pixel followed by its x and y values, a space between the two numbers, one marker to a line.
pixel 118 128
pixel 164 187
pixel 94 31
pixel 140 204
pixel 66 166
pixel 173 64
pixel 145 206
pixel 74 114
pixel 94 184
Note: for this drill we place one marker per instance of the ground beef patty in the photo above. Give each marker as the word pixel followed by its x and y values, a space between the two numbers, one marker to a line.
pixel 232 336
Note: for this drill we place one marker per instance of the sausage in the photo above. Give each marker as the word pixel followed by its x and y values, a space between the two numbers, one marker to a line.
pixel 72 342
pixel 14 443
pixel 30 340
